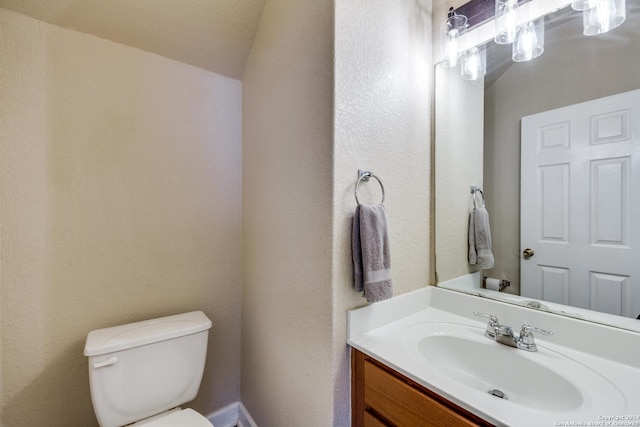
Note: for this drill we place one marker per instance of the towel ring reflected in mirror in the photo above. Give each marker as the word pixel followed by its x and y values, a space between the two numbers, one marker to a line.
pixel 364 176
pixel 474 191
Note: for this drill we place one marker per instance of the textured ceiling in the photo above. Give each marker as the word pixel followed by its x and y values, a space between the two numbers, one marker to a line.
pixel 212 34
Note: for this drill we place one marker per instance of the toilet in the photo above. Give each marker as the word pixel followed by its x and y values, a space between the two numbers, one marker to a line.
pixel 140 373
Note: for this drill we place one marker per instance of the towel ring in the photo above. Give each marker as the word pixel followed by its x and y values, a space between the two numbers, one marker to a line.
pixel 364 176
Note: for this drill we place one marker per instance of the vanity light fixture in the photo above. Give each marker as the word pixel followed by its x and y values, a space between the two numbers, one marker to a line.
pixel 507 17
pixel 473 65
pixel 529 41
pixel 599 16
pixel 603 17
pixel 452 28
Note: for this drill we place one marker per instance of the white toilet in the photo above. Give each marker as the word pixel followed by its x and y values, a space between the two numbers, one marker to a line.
pixel 141 372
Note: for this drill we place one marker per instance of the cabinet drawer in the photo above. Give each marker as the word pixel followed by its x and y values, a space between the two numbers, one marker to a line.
pixel 372 421
pixel 404 405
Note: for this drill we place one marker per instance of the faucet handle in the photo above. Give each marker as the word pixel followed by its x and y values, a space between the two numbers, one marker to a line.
pixel 492 326
pixel 491 317
pixel 527 330
pixel 526 341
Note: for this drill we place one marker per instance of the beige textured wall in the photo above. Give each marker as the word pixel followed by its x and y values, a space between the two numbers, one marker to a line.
pixel 287 260
pixel 458 165
pixel 120 175
pixel 96 232
pixel 458 155
pixel 383 76
pixel 301 154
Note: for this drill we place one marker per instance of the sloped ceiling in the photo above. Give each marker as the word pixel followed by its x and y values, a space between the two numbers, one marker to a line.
pixel 212 34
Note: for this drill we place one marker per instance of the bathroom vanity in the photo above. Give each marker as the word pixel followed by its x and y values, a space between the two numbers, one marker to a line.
pixel 383 397
pixel 424 359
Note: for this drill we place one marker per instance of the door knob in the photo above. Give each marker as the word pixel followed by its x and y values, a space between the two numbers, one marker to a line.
pixel 528 253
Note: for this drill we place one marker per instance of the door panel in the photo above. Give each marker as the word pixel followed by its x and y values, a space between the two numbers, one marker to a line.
pixel 580 184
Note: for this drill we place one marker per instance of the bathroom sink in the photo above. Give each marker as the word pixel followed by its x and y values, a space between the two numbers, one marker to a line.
pixel 545 380
pixel 583 373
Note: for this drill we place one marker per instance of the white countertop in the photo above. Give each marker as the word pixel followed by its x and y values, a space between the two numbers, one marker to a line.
pixel 378 330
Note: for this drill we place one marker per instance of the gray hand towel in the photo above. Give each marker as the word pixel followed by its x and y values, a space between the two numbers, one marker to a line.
pixel 370 250
pixel 356 252
pixel 473 255
pixel 483 238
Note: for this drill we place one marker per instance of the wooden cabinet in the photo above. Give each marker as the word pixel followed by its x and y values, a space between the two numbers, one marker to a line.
pixel 381 397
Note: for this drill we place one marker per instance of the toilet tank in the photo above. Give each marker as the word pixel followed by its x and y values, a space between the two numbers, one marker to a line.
pixel 142 369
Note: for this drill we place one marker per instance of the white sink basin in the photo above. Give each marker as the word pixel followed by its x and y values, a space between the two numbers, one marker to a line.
pixel 585 373
pixel 544 380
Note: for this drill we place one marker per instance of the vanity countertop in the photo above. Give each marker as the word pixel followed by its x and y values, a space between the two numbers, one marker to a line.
pixel 609 393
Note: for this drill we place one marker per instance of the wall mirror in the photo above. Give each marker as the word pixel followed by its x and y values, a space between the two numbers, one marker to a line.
pixel 574 186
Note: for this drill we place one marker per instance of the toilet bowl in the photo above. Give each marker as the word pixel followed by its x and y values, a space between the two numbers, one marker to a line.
pixel 140 373
pixel 175 418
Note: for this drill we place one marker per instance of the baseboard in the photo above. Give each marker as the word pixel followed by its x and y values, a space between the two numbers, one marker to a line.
pixel 244 418
pixel 225 417
pixel 232 415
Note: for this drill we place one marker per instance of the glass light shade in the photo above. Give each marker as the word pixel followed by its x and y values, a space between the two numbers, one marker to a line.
pixel 583 4
pixel 452 28
pixel 473 64
pixel 604 17
pixel 451 48
pixel 507 18
pixel 529 41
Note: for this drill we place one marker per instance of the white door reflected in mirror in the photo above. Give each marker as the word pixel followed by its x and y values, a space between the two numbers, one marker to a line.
pixel 577 190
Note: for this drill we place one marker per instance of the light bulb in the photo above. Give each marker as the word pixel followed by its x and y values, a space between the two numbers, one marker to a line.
pixel 507 17
pixel 451 59
pixel 472 66
pixel 604 17
pixel 527 44
pixel 583 4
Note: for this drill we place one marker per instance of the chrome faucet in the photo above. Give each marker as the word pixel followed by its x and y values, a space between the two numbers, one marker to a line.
pixel 504 334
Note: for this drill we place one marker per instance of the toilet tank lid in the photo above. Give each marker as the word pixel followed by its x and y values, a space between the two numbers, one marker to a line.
pixel 116 338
